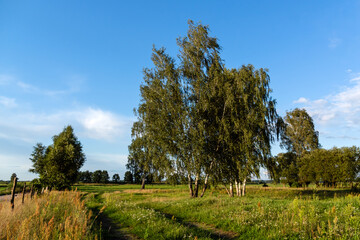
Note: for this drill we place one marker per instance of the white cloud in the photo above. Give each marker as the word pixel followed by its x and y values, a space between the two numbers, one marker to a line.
pixel 7 102
pixel 99 124
pixel 301 100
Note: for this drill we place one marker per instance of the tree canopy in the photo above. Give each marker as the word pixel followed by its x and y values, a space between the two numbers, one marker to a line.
pixel 199 120
pixel 58 164
pixel 299 135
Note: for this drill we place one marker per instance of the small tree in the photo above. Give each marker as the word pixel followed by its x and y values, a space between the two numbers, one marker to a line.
pixel 96 176
pixel 128 178
pixel 85 177
pixel 105 176
pixel 13 176
pixel 116 178
pixel 58 164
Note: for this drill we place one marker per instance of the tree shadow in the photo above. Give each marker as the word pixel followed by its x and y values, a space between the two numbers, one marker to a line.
pixel 199 229
pixel 327 193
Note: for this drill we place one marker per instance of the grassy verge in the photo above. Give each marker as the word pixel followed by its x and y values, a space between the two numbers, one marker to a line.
pixel 54 215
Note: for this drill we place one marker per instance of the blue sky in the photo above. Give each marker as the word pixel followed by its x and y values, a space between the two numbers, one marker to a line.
pixel 80 63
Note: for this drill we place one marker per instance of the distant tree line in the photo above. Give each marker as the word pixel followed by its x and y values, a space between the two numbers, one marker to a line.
pixel 327 168
pixel 98 176
pixel 135 177
pixel 306 162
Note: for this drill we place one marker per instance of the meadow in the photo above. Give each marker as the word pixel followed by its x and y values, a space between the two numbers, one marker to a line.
pixel 167 212
pixel 109 211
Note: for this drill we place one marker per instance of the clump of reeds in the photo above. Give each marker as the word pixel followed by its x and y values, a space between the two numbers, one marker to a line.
pixel 54 215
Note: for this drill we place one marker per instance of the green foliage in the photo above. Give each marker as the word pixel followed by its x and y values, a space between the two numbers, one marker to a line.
pixel 59 163
pixel 128 177
pixel 13 176
pixel 319 166
pixel 299 135
pixel 100 176
pixel 85 177
pixel 116 178
pixel 329 167
pixel 198 119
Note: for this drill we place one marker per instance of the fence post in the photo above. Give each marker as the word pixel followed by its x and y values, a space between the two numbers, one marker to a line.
pixel 13 193
pixel 31 191
pixel 23 193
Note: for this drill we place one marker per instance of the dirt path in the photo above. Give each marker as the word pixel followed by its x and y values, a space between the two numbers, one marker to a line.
pixel 113 231
pixel 110 229
pixel 6 197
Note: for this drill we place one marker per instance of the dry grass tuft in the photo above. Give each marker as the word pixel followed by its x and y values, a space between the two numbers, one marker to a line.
pixel 54 215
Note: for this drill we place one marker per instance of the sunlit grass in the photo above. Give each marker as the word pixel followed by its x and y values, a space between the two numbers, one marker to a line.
pixel 265 213
pixel 55 215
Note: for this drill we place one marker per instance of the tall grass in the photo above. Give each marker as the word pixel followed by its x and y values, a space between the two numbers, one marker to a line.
pixel 54 215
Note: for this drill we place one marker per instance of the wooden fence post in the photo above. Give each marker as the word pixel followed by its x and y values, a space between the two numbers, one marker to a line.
pixel 13 193
pixel 31 191
pixel 23 193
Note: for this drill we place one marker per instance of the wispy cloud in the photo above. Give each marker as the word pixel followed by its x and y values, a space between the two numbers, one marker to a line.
pixel 74 83
pixel 7 102
pixel 334 42
pixel 340 110
pixel 89 122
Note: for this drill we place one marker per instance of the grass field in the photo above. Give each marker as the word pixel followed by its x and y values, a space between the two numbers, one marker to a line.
pixel 167 212
pixel 2 187
pixel 96 211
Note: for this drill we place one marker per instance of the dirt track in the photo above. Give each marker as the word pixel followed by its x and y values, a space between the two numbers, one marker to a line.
pixel 5 197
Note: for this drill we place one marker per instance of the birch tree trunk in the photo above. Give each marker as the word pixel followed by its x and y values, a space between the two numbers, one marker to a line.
pixel 190 186
pixel 143 183
pixel 196 190
pixel 205 185
pixel 238 188
pixel 231 190
pixel 244 187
